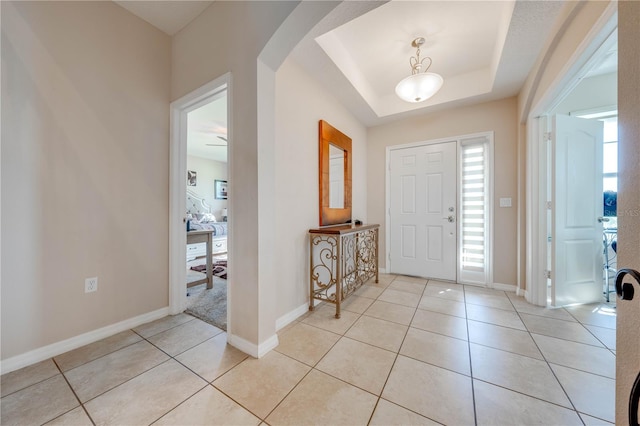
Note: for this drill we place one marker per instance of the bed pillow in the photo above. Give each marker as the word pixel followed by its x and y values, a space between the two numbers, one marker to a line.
pixel 208 217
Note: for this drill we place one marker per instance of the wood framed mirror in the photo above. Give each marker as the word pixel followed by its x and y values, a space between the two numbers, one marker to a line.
pixel 335 175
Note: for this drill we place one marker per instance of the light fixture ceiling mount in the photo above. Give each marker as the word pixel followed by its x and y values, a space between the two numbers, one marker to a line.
pixel 420 85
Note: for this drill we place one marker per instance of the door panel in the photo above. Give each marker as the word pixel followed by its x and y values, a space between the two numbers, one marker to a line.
pixel 408 192
pixel 577 200
pixel 434 193
pixel 422 190
pixel 434 243
pixel 408 242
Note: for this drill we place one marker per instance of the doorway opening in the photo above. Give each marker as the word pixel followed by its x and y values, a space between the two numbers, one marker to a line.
pixel 581 189
pixel 200 202
pixel 599 44
pixel 207 210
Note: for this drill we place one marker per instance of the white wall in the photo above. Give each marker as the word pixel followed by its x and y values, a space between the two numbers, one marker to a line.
pixel 85 149
pixel 229 37
pixel 208 171
pixel 300 103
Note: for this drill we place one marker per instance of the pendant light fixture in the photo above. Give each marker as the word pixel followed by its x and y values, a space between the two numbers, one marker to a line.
pixel 420 85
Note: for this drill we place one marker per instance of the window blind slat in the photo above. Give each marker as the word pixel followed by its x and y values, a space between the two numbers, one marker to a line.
pixel 473 208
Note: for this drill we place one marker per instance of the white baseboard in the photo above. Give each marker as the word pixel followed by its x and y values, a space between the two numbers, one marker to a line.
pixel 268 345
pixel 55 349
pixel 290 317
pixel 382 270
pixel 505 287
pixel 256 351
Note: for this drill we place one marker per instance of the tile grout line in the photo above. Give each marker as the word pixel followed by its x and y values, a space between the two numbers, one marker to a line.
pixel 549 367
pixel 74 394
pixel 393 364
pixel 343 335
pixel 312 368
pixel 180 403
pixel 473 388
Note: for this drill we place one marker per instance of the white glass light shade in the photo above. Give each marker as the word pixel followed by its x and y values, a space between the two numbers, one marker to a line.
pixel 419 87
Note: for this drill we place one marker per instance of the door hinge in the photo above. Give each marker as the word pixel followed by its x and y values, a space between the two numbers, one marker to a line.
pixel 548 205
pixel 547 136
pixel 547 274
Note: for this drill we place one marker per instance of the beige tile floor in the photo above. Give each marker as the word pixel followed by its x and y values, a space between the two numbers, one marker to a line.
pixel 405 351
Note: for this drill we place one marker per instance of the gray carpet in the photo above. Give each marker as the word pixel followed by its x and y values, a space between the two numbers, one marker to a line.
pixel 209 305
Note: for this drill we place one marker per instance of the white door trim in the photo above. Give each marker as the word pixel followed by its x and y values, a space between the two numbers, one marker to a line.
pixel 584 57
pixel 177 185
pixel 458 139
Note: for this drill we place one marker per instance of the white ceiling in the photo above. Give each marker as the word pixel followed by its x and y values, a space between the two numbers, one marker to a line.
pixel 207 130
pixel 483 49
pixel 464 40
pixel 168 16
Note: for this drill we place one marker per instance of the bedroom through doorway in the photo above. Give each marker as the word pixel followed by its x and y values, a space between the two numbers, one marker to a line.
pixel 207 211
pixel 200 197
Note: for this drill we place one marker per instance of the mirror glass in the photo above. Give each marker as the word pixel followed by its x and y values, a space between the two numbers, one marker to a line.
pixel 336 177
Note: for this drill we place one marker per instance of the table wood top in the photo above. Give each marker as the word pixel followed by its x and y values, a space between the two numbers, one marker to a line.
pixel 200 232
pixel 342 229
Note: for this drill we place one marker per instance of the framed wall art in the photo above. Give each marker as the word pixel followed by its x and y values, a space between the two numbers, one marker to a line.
pixel 192 177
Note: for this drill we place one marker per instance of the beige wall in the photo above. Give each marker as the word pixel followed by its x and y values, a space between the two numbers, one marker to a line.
pixel 499 117
pixel 577 21
pixel 208 171
pixel 628 337
pixel 228 37
pixel 296 163
pixel 85 152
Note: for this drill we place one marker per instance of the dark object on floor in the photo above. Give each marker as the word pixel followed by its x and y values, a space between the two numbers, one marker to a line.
pixel 219 268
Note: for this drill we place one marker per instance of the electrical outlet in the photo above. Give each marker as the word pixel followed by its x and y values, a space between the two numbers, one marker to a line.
pixel 91 285
pixel 505 202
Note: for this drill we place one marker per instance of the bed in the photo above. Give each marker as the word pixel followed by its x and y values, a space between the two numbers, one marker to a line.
pixel 200 217
pixel 205 236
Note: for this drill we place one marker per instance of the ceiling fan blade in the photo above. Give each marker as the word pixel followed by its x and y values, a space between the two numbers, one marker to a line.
pixel 216 144
pixel 223 138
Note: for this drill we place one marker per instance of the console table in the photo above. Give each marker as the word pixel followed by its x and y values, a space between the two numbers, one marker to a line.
pixel 341 258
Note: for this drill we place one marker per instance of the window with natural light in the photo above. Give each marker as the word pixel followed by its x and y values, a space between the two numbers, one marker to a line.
pixel 610 157
pixel 474 211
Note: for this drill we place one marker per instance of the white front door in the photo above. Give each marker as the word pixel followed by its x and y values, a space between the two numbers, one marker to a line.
pixel 577 205
pixel 422 225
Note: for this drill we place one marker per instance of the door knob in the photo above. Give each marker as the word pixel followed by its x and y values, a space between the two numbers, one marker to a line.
pixel 625 290
pixel 450 219
pixel 603 219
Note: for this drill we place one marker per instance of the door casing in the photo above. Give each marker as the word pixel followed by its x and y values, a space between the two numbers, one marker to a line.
pixel 177 188
pixel 458 139
pixel 596 43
